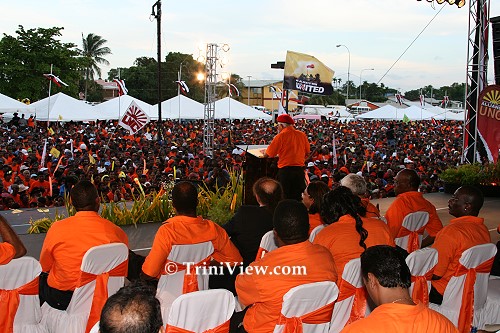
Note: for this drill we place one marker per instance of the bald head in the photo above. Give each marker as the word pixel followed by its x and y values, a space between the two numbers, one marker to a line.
pixel 268 192
pixel 406 180
pixel 467 200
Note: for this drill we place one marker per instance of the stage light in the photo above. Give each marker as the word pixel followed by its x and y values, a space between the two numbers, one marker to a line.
pixel 460 3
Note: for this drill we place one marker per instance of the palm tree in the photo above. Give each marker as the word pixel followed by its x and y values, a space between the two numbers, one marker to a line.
pixel 93 53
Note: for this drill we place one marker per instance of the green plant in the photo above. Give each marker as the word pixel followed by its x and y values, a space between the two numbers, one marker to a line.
pixel 220 204
pixel 472 174
pixel 42 225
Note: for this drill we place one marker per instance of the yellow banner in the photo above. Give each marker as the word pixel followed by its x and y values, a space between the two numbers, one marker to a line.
pixel 307 74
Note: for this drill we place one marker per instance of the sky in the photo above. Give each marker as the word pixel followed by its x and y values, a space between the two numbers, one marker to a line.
pixel 260 32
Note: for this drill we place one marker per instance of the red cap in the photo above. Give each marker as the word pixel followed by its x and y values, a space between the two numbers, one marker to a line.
pixel 285 118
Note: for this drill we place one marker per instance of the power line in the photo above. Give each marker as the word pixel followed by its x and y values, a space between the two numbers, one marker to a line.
pixel 442 7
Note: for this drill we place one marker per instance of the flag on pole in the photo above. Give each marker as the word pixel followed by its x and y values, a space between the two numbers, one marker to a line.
pixel 334 152
pixel 399 98
pixel 55 79
pixel 422 99
pixel 44 154
pixel 183 87
pixel 122 90
pixel 281 108
pixel 445 101
pixel 406 119
pixel 276 91
pixel 434 122
pixel 232 90
pixel 134 118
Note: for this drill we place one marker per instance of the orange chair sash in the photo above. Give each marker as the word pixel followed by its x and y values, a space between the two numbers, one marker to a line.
pixel 222 328
pixel 260 253
pixel 319 316
pixel 190 277
pixel 359 304
pixel 420 291
pixel 9 302
pixel 467 307
pixel 101 290
pixel 413 242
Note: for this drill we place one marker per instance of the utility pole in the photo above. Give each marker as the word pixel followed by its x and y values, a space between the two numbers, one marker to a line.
pixel 157 16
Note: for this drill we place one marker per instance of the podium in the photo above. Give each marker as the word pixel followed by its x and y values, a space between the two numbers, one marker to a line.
pixel 255 167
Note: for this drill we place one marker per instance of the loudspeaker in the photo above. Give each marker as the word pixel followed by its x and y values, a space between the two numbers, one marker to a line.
pixel 495 31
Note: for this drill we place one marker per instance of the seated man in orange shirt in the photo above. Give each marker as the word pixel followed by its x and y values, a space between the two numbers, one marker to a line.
pixel 464 231
pixel 11 247
pixel 409 200
pixel 187 228
pixel 265 291
pixel 387 279
pixel 68 240
pixel 357 185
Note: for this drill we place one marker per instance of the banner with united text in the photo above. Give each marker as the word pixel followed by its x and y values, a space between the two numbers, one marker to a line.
pixel 307 74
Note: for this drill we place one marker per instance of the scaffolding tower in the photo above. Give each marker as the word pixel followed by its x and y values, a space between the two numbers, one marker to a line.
pixel 477 60
pixel 210 95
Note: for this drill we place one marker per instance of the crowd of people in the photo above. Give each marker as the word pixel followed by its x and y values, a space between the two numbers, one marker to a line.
pixel 38 164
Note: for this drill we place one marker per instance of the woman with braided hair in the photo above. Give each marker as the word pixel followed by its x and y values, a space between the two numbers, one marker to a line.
pixel 347 233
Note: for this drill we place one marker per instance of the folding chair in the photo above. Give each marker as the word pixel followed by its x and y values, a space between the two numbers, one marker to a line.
pixel 267 244
pixel 421 263
pixel 315 232
pixel 412 230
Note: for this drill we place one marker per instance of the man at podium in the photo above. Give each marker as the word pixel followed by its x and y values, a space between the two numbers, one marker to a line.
pixel 292 147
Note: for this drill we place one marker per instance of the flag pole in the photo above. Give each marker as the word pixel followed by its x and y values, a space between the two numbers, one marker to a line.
pixel 119 96
pixel 48 106
pixel 179 75
pixel 229 102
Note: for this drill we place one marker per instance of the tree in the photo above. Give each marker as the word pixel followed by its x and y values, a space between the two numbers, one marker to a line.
pixel 25 58
pixel 93 52
pixel 141 79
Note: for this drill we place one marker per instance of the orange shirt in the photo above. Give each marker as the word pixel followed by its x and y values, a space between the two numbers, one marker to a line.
pixel 461 234
pixel 314 221
pixel 291 146
pixel 410 202
pixel 265 291
pixel 342 239
pixel 371 209
pixel 182 230
pixel 7 252
pixel 396 318
pixel 68 240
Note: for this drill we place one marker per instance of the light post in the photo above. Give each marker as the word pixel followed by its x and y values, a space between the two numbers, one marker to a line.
pixel 348 69
pixel 249 76
pixel 360 75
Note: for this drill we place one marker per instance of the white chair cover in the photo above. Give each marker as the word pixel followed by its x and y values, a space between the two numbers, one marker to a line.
pixel 421 262
pixel 97 260
pixel 13 275
pixel 200 311
pixel 307 298
pixel 315 232
pixel 170 285
pixel 267 244
pixel 412 222
pixel 452 298
pixel 343 307
pixel 491 313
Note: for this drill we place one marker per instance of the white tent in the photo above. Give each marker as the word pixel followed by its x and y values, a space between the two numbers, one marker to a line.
pixel 116 107
pixel 64 108
pixel 448 115
pixel 387 112
pixel 177 106
pixel 230 108
pixel 416 113
pixel 335 111
pixel 8 104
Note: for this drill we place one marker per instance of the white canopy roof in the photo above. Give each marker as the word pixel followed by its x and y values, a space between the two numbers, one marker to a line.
pixel 116 107
pixel 181 105
pixel 336 111
pixel 230 108
pixel 64 108
pixel 448 115
pixel 8 104
pixel 416 113
pixel 385 112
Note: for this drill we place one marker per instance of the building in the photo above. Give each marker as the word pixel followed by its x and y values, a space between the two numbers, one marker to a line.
pixel 109 89
pixel 261 93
